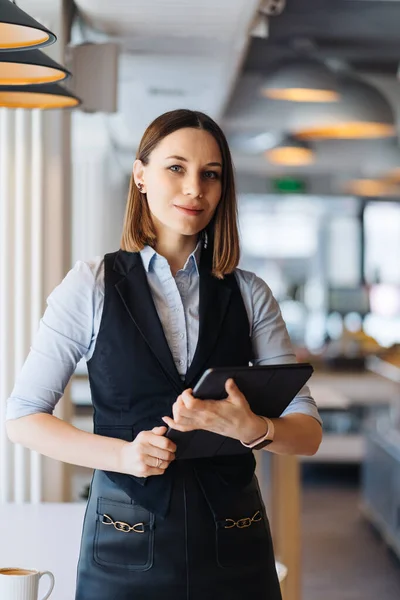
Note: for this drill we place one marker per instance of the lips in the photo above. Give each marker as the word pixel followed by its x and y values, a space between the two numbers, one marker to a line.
pixel 189 210
pixel 196 208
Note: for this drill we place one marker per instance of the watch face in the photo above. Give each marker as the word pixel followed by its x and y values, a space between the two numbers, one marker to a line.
pixel 262 444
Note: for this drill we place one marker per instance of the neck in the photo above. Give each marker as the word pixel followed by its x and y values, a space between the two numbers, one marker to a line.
pixel 176 249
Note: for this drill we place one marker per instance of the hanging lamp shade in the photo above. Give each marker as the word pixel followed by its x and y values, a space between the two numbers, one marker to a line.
pixel 392 176
pixel 291 152
pixel 372 188
pixel 362 113
pixel 45 96
pixel 302 80
pixel 27 67
pixel 20 31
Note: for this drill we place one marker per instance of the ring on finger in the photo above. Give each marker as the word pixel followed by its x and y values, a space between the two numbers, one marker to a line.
pixel 159 463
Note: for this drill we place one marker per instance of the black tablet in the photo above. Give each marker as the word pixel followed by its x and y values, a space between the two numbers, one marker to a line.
pixel 269 390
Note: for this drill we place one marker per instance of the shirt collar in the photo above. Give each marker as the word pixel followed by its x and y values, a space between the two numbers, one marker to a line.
pixel 149 255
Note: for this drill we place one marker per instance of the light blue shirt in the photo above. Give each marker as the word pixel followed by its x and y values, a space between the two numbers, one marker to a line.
pixel 69 327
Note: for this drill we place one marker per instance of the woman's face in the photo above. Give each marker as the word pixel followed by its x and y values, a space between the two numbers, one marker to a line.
pixel 182 181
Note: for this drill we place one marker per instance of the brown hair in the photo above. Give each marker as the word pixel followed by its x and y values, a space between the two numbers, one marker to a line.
pixel 223 237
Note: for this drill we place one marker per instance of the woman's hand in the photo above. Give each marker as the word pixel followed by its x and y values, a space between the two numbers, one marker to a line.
pixel 231 417
pixel 150 453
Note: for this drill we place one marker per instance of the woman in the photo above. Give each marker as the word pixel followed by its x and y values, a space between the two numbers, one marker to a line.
pixel 149 319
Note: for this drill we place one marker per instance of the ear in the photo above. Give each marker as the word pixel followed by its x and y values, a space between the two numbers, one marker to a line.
pixel 138 174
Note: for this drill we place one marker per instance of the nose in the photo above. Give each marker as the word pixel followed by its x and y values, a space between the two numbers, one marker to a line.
pixel 193 186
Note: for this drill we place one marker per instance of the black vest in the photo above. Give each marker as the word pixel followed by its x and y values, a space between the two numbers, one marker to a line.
pixel 133 378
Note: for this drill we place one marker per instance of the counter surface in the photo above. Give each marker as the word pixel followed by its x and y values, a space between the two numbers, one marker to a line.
pixel 45 537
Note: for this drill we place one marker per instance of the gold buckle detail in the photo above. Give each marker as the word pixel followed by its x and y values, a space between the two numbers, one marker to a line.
pixel 242 523
pixel 245 522
pixel 121 526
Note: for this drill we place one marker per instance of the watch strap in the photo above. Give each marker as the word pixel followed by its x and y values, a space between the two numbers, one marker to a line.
pixel 265 439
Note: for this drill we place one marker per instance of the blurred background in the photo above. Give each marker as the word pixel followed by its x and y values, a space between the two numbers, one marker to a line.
pixel 308 94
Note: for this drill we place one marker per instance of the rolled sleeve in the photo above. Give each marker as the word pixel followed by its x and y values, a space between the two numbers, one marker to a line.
pixel 270 339
pixel 64 337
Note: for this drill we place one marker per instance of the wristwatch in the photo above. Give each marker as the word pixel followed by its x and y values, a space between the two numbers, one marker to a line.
pixel 264 440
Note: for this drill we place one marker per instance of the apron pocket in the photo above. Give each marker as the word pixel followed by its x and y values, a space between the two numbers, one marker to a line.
pixel 124 535
pixel 242 534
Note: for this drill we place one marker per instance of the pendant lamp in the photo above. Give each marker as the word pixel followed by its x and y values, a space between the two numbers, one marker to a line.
pixel 20 31
pixel 291 152
pixel 372 188
pixel 27 67
pixel 393 176
pixel 362 113
pixel 302 80
pixel 45 96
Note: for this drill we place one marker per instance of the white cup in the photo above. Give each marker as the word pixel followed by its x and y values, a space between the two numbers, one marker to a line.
pixel 22 584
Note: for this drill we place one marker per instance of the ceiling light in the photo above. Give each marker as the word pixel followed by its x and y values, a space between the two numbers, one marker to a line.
pixel 392 176
pixel 370 188
pixel 27 67
pixel 45 96
pixel 292 153
pixel 302 80
pixel 362 113
pixel 19 30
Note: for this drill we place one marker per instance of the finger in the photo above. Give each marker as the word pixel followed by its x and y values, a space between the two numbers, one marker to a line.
pixel 232 389
pixel 178 408
pixel 159 447
pixel 230 385
pixel 162 430
pixel 183 417
pixel 189 400
pixel 180 403
pixel 162 442
pixel 156 462
pixel 174 425
pixel 154 452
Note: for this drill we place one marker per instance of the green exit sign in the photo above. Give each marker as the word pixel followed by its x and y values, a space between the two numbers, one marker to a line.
pixel 289 185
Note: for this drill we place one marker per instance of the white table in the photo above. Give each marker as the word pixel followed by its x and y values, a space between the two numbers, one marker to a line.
pixel 46 537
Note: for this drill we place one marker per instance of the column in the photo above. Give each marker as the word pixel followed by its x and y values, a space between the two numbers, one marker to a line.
pixel 6 294
pixel 21 290
pixel 34 256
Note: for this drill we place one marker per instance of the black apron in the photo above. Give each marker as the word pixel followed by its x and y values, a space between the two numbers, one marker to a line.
pixel 200 530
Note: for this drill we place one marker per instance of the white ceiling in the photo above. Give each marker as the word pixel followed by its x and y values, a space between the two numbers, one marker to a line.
pixel 175 53
pixel 148 24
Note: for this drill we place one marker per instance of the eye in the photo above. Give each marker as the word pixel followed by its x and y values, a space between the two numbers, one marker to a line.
pixel 211 175
pixel 175 168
